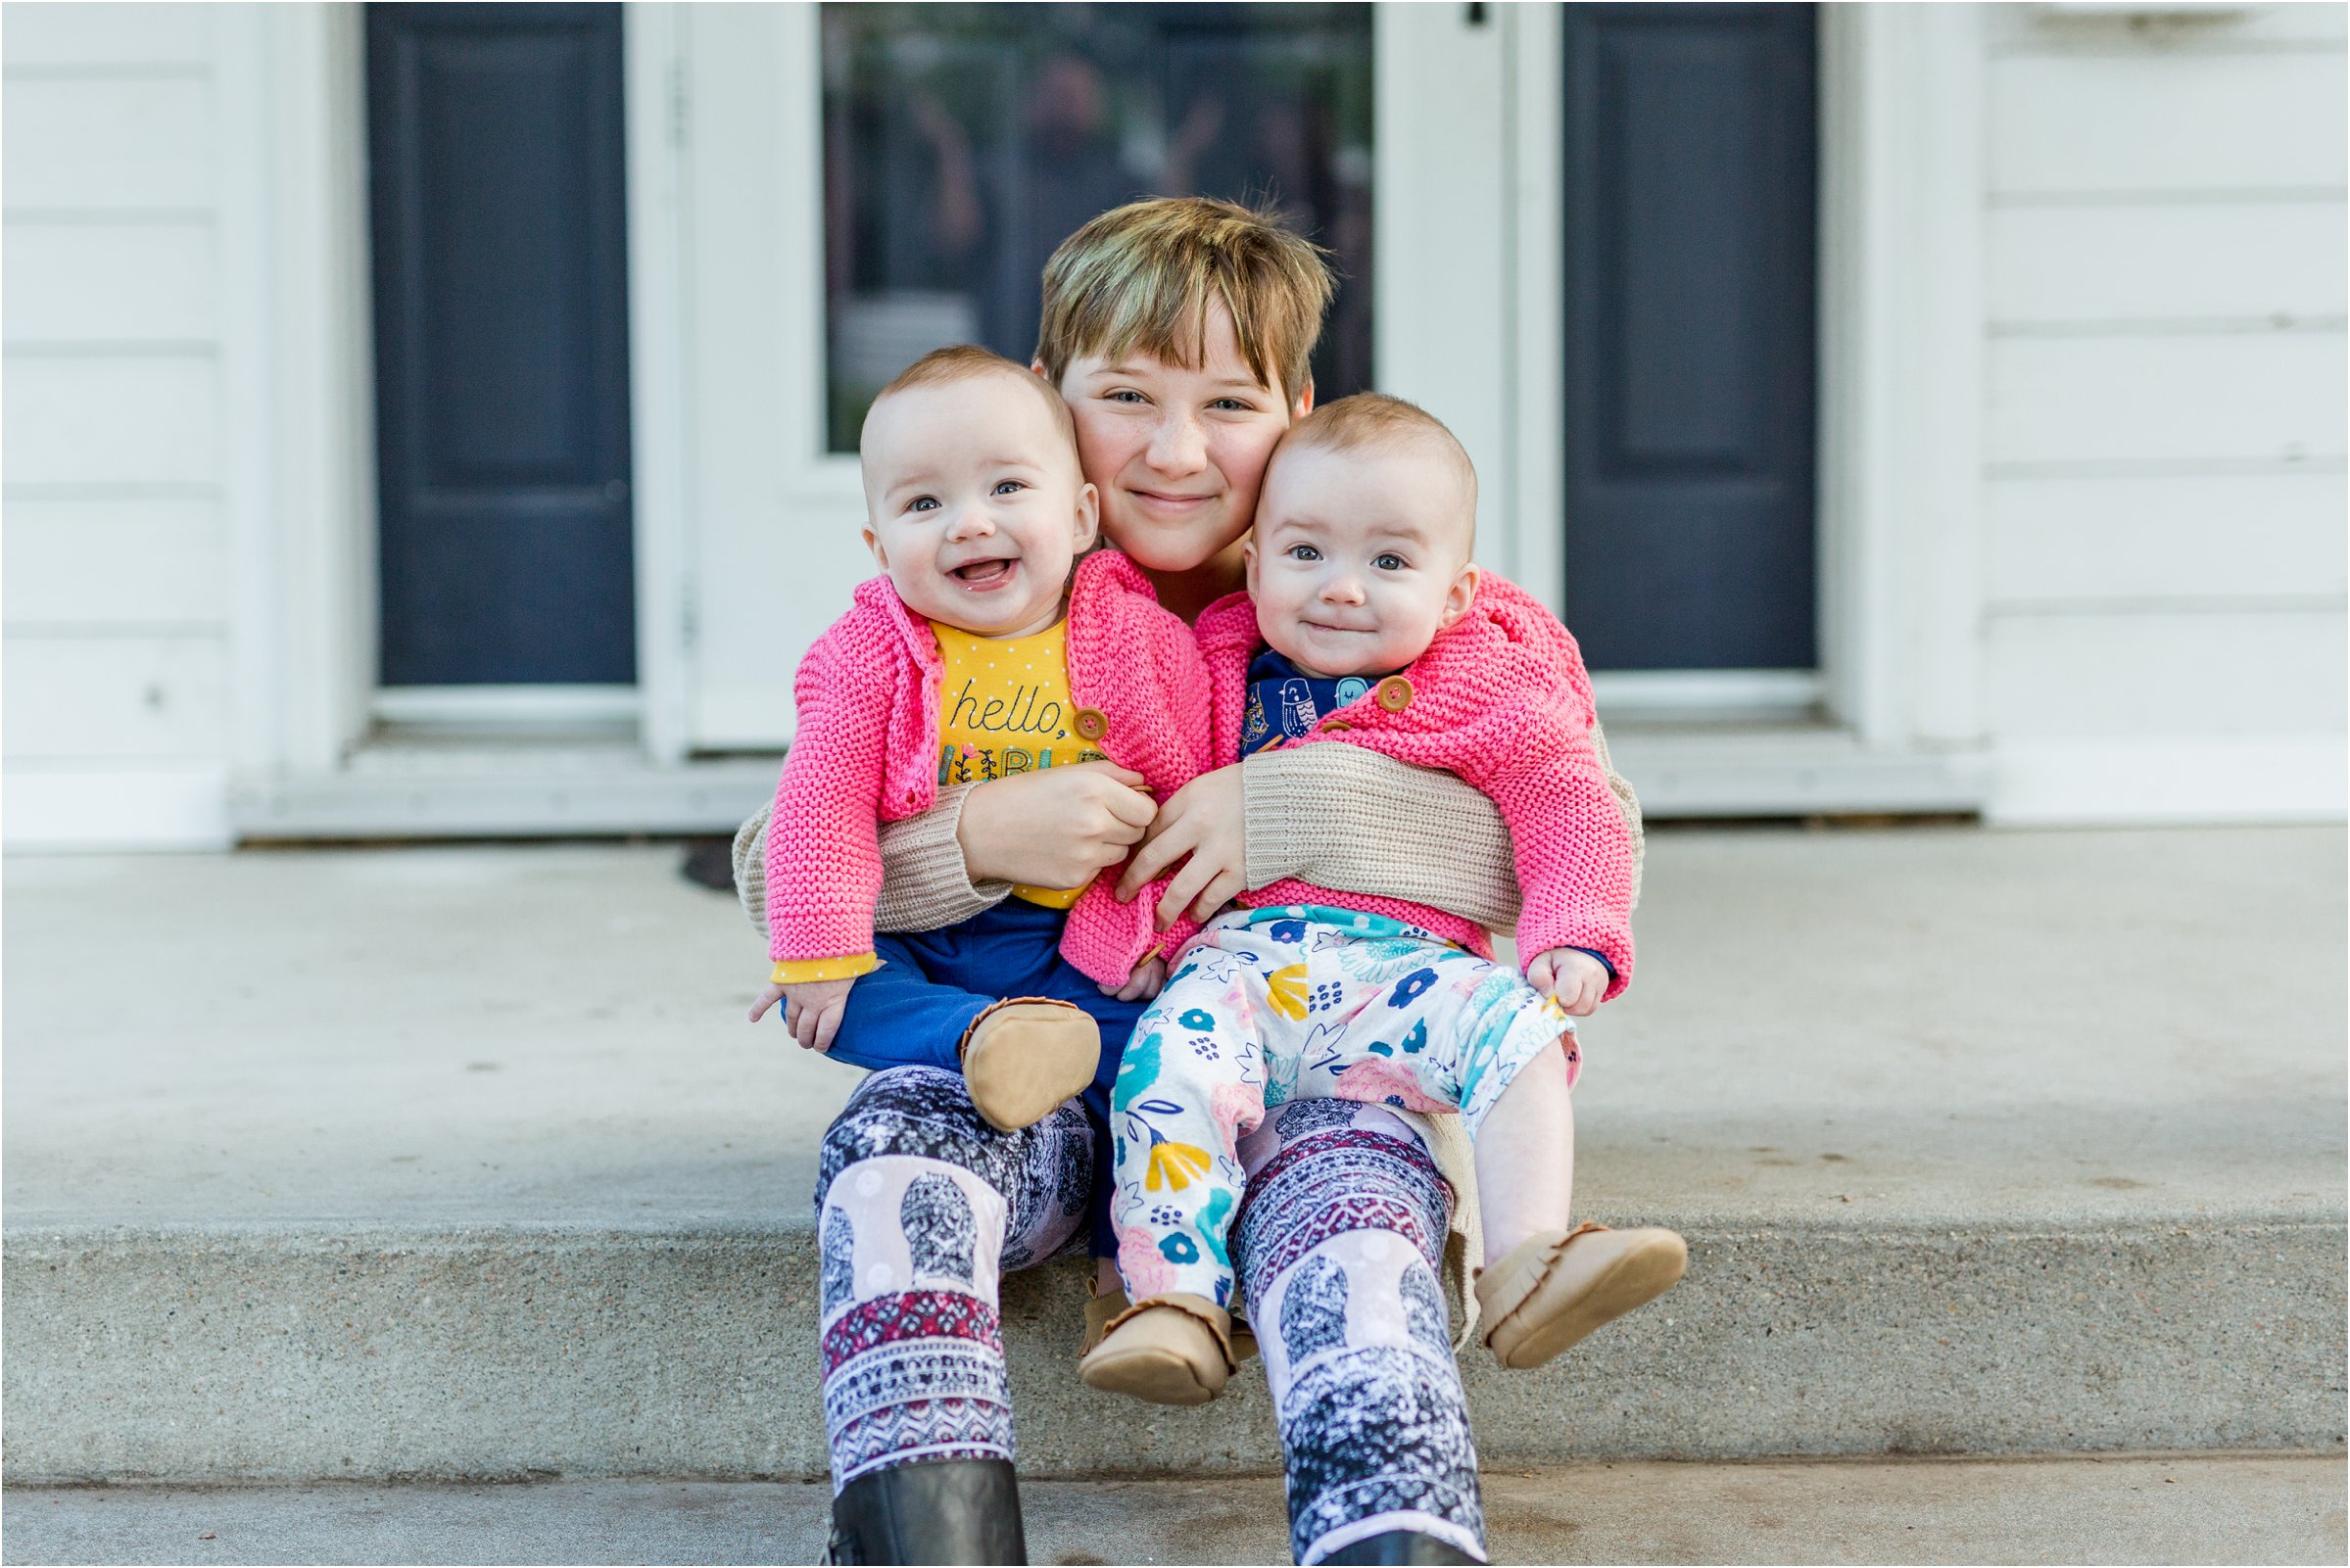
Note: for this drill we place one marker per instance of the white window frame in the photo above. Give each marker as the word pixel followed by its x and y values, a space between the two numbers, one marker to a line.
pixel 1470 143
pixel 304 528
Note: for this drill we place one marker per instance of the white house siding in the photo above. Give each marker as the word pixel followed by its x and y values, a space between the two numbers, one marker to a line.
pixel 2164 455
pixel 115 617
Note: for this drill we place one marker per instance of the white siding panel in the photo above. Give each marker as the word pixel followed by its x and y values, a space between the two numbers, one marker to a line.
pixel 110 282
pixel 39 32
pixel 99 697
pixel 2164 398
pixel 74 808
pixel 2271 672
pixel 2199 535
pixel 114 563
pixel 2223 259
pixel 84 144
pixel 2167 123
pixel 134 419
pixel 2030 28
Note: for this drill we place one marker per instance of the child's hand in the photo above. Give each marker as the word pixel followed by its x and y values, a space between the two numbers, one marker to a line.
pixel 1149 976
pixel 772 994
pixel 1571 975
pixel 1201 819
pixel 812 1010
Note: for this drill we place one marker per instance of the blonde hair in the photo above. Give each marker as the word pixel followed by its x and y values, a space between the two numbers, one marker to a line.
pixel 965 362
pixel 1140 277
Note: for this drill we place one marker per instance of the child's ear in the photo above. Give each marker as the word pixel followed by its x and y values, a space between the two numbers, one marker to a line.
pixel 1248 557
pixel 873 543
pixel 1459 596
pixel 1089 517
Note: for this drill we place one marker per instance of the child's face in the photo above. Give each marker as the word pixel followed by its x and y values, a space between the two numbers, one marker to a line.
pixel 1361 557
pixel 974 505
pixel 1179 453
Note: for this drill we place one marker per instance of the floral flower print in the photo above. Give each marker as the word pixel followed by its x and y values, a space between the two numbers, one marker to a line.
pixel 1409 989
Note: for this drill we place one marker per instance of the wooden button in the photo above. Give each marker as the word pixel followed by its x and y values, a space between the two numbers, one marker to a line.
pixel 1393 693
pixel 1090 723
pixel 1336 724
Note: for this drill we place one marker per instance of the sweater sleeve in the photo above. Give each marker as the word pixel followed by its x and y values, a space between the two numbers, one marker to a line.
pixel 1415 834
pixel 1576 850
pixel 925 884
pixel 823 857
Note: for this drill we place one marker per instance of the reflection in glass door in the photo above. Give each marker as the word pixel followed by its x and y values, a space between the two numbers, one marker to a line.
pixel 962 143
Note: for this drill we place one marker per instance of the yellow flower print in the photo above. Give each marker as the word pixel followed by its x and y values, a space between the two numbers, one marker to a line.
pixel 1173 1165
pixel 1285 990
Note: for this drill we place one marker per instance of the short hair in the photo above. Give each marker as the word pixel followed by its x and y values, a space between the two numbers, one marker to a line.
pixel 1141 277
pixel 966 361
pixel 1370 420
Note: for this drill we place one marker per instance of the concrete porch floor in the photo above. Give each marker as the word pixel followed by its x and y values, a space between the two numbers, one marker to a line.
pixel 463 1164
pixel 1926 1026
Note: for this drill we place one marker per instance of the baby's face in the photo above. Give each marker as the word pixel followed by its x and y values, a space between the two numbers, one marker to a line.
pixel 1361 557
pixel 974 505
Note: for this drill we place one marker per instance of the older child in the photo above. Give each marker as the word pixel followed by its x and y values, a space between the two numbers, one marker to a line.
pixel 979 653
pixel 1366 623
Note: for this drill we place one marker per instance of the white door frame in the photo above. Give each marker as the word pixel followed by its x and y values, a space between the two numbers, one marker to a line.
pixel 1470 145
pixel 303 440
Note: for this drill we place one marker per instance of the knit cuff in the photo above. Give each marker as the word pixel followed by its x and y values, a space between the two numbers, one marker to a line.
pixel 926 883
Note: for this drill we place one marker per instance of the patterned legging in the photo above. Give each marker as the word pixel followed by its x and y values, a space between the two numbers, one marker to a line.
pixel 922 1207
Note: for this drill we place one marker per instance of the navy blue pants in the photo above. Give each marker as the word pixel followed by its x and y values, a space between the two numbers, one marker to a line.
pixel 913 1010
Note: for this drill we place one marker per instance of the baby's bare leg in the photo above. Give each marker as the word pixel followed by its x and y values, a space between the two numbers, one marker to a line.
pixel 1527 1156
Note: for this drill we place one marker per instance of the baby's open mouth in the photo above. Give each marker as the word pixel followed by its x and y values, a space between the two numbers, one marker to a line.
pixel 982 574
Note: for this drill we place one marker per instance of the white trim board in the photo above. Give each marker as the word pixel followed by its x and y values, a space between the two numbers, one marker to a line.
pixel 81 809
pixel 513 791
pixel 1788 770
pixel 1697 695
pixel 520 708
pixel 2211 778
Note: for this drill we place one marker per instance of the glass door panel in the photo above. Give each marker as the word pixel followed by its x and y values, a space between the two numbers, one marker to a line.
pixel 962 143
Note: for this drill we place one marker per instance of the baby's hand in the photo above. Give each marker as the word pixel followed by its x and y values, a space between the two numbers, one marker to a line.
pixel 1571 975
pixel 1144 984
pixel 812 1010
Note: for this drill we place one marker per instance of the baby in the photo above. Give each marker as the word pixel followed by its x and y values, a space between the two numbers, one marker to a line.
pixel 1366 623
pixel 979 654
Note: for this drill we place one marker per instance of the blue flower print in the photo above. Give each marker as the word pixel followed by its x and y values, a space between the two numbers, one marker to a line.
pixel 1411 986
pixel 1416 1038
pixel 1287 931
pixel 1179 1249
pixel 1197 1018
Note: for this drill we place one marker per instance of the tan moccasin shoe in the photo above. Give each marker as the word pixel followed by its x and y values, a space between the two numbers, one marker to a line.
pixel 1553 1290
pixel 1168 1349
pixel 1026 1054
pixel 1105 1309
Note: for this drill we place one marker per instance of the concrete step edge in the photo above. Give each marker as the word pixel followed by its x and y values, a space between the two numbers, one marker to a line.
pixel 466 1351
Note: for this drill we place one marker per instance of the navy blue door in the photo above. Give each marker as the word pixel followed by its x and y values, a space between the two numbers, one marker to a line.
pixel 500 344
pixel 1691 366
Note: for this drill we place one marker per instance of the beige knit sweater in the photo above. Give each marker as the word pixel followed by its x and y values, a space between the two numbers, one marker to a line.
pixel 1412 832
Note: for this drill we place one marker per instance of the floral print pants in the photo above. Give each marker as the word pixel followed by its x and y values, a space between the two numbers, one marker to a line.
pixel 922 1205
pixel 1273 1005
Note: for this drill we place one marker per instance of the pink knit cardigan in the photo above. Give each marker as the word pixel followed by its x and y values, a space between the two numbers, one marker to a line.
pixel 1500 698
pixel 867 753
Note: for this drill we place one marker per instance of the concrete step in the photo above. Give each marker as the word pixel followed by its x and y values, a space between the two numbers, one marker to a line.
pixel 2176 1508
pixel 460 1163
pixel 504 1353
